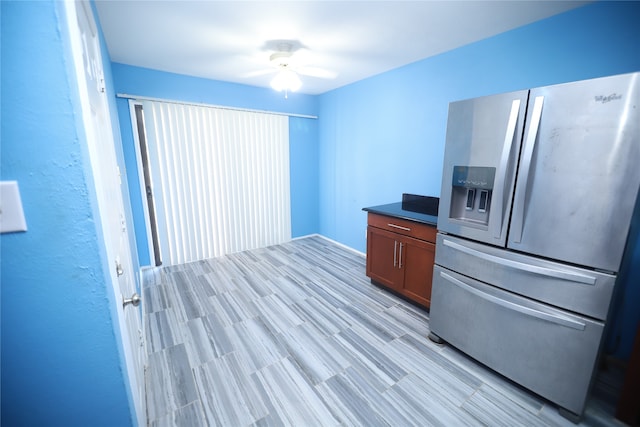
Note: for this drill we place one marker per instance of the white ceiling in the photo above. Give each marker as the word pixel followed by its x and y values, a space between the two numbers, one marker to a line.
pixel 232 40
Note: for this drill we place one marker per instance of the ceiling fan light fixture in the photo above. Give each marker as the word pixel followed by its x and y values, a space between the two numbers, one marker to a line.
pixel 287 80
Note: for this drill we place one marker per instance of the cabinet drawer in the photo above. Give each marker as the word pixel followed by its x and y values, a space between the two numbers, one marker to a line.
pixel 403 226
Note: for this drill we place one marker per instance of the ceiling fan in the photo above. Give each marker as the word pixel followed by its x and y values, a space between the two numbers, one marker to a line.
pixel 288 61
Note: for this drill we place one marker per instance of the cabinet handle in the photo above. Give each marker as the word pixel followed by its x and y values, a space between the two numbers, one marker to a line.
pixel 399 226
pixel 395 257
pixel 400 257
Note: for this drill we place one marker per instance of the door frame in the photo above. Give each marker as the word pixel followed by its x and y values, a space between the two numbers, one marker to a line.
pixel 131 347
pixel 155 254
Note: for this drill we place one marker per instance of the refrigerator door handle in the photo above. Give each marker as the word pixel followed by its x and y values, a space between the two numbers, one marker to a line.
pixel 525 167
pixel 543 271
pixel 501 191
pixel 559 320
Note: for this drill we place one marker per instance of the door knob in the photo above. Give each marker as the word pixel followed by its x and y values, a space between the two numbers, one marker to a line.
pixel 134 300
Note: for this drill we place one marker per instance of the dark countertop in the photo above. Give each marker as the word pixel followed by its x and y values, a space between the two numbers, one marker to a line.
pixel 395 210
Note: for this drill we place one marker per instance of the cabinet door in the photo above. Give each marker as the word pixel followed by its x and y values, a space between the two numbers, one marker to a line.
pixel 416 260
pixel 383 257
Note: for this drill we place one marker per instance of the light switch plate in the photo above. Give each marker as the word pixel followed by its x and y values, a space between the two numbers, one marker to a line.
pixel 11 213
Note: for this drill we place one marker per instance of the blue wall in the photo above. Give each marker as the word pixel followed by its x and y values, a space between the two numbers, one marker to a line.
pixel 61 360
pixel 302 135
pixel 303 148
pixel 385 135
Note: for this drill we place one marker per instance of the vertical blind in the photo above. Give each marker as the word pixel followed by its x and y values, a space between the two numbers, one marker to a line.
pixel 220 179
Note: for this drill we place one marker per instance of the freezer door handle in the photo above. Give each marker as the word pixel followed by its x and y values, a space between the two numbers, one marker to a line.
pixel 553 318
pixel 501 192
pixel 525 170
pixel 543 271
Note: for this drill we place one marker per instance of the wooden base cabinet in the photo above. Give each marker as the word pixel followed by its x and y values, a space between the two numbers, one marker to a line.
pixel 400 255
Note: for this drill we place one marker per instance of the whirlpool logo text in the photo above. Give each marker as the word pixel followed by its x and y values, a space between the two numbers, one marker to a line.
pixel 608 98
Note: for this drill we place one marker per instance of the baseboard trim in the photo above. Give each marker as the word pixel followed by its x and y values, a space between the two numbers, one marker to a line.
pixel 342 245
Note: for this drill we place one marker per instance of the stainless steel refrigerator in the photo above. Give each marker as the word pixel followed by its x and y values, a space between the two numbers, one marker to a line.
pixel 538 191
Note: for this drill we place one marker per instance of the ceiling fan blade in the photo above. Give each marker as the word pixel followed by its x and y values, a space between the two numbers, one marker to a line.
pixel 316 72
pixel 258 73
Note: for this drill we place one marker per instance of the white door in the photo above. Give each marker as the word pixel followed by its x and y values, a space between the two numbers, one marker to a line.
pixel 106 173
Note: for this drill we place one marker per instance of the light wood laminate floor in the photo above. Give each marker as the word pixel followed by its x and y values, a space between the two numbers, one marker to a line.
pixel 296 335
